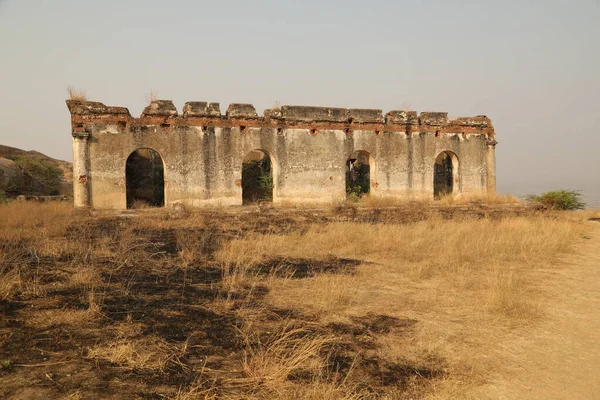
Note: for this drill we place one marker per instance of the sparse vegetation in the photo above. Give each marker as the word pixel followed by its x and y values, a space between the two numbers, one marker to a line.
pixel 313 305
pixel 257 179
pixel 152 96
pixel 76 94
pixel 560 200
pixel 38 177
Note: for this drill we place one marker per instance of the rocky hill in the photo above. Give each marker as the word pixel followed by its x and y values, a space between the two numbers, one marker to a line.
pixel 33 173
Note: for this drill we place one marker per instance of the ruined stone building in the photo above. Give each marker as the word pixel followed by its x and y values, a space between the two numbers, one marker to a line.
pixel 290 154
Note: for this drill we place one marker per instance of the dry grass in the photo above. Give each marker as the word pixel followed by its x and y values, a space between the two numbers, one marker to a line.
pixel 452 289
pixel 463 199
pixel 485 261
pixel 140 205
pixel 457 243
pixel 30 220
pixel 323 294
pixel 479 198
pixel 10 282
pixel 47 318
pixel 44 319
pixel 85 277
pixel 76 94
pixel 290 350
pixel 145 354
pixel 152 96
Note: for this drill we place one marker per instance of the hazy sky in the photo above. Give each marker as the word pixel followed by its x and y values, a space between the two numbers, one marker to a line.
pixel 531 66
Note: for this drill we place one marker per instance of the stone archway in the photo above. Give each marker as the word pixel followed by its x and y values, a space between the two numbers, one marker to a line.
pixel 257 177
pixel 445 174
pixel 144 176
pixel 358 174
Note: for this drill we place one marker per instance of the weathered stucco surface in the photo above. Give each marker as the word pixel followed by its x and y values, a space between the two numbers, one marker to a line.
pixel 203 151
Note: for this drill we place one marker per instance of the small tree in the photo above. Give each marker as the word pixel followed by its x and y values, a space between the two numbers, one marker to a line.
pixel 560 200
pixel 38 177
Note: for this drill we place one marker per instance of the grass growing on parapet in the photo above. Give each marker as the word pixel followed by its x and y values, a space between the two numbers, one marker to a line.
pixel 560 200
pixel 77 94
pixel 152 96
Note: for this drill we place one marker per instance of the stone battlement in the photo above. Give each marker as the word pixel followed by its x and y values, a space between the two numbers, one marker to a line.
pixel 197 113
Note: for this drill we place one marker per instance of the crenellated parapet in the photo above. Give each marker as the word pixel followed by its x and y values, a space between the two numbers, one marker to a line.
pixel 195 113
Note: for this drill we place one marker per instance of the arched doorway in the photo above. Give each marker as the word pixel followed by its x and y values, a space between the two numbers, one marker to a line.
pixel 144 176
pixel 358 174
pixel 257 177
pixel 445 171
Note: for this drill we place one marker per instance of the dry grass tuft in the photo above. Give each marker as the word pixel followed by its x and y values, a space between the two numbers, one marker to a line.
pixel 73 396
pixel 511 294
pixel 85 277
pixel 197 392
pixel 149 353
pixel 76 94
pixel 10 283
pixel 44 319
pixel 140 205
pixel 152 96
pixel 269 364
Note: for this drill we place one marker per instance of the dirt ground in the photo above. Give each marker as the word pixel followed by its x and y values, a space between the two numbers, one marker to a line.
pixel 559 358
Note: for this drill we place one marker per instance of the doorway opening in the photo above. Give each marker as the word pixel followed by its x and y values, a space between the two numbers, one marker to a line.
pixel 257 178
pixel 358 174
pixel 444 174
pixel 145 179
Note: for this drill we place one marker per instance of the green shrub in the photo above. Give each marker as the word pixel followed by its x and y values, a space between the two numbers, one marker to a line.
pixel 257 180
pixel 38 177
pixel 560 200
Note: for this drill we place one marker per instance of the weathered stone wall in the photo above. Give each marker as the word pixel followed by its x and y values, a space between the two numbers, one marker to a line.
pixel 203 150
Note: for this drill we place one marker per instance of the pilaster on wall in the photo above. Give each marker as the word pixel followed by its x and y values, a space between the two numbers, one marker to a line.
pixel 490 158
pixel 81 186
